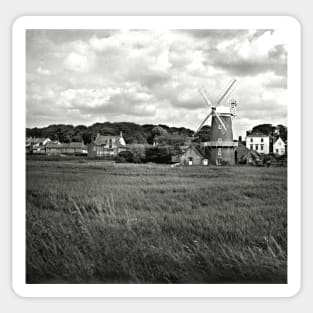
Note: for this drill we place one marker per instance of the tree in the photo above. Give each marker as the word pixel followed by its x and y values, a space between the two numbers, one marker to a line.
pixel 138 152
pixel 205 133
pixel 132 133
pixel 87 137
pixel 124 157
pixel 283 132
pixel 169 139
pixel 159 131
pixel 266 129
pixel 160 154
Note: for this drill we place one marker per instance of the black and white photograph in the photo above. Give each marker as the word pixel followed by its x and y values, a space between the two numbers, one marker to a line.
pixel 156 156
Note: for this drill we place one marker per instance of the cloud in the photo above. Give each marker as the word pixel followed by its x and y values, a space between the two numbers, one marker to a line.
pixel 260 32
pixel 77 62
pixel 251 57
pixel 217 34
pixel 277 82
pixel 248 67
pixel 80 58
pixel 43 71
pixel 153 76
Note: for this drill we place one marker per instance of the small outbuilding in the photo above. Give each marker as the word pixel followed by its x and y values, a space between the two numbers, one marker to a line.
pixel 193 156
pixel 279 147
pixel 240 151
pixel 252 158
pixel 73 148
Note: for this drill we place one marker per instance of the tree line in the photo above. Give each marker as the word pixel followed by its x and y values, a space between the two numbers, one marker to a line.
pixel 147 134
pixel 132 133
pixel 271 130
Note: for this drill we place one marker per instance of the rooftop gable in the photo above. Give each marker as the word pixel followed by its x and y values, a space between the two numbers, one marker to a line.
pixel 197 150
pixel 104 140
pixel 279 139
pixel 257 135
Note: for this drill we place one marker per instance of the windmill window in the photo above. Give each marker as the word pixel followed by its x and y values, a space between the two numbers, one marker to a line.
pixel 262 146
pixel 256 147
pixel 219 151
pixel 219 126
pixel 262 139
pixel 251 147
pixel 251 139
pixel 219 140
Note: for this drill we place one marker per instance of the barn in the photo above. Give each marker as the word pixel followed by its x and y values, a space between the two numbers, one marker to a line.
pixel 240 152
pixel 252 158
pixel 193 156
pixel 74 148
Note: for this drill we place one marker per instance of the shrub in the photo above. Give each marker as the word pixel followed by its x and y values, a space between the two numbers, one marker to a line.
pixel 124 157
pixel 138 152
pixel 159 154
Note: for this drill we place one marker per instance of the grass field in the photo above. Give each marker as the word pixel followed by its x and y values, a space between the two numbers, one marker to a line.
pixel 97 222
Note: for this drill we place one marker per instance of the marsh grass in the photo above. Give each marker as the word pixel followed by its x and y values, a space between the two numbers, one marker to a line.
pixel 97 222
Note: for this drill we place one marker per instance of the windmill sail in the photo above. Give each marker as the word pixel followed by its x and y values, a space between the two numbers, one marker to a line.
pixel 227 91
pixel 205 94
pixel 202 123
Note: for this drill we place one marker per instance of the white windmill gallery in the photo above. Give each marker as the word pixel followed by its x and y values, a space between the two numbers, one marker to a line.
pixel 221 147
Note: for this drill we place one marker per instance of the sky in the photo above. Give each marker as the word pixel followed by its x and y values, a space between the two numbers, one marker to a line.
pixel 154 76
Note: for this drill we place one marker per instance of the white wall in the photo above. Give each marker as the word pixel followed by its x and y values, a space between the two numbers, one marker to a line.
pixel 259 144
pixel 279 147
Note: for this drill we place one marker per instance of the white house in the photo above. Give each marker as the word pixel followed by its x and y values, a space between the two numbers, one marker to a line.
pixel 36 145
pixel 258 142
pixel 107 146
pixel 279 147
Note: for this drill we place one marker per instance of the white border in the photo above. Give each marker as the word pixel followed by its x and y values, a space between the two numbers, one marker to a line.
pixel 158 22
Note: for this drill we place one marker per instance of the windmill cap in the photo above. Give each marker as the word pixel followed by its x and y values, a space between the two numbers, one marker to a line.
pixel 223 109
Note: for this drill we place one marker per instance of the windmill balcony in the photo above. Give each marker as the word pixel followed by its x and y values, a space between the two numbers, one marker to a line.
pixel 219 144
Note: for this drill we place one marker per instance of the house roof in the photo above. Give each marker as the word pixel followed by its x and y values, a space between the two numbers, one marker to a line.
pixel 53 145
pixel 66 145
pixel 104 140
pixel 279 138
pixel 252 153
pixel 197 150
pixel 36 140
pixel 242 149
pixel 257 135
pixel 76 145
pixel 39 147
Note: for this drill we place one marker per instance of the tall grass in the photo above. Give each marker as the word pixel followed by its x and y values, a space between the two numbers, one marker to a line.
pixel 106 223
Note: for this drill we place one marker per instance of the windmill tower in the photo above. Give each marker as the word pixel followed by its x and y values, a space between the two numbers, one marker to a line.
pixel 221 145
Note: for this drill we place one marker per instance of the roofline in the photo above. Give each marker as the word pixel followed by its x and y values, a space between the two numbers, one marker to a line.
pixel 197 151
pixel 257 135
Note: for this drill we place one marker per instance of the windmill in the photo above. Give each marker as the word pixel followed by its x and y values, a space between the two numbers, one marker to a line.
pixel 221 145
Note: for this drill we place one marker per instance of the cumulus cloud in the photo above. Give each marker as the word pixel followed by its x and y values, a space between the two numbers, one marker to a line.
pixel 43 71
pixel 80 58
pixel 153 76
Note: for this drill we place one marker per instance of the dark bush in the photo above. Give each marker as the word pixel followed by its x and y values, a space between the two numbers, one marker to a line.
pixel 160 154
pixel 125 157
